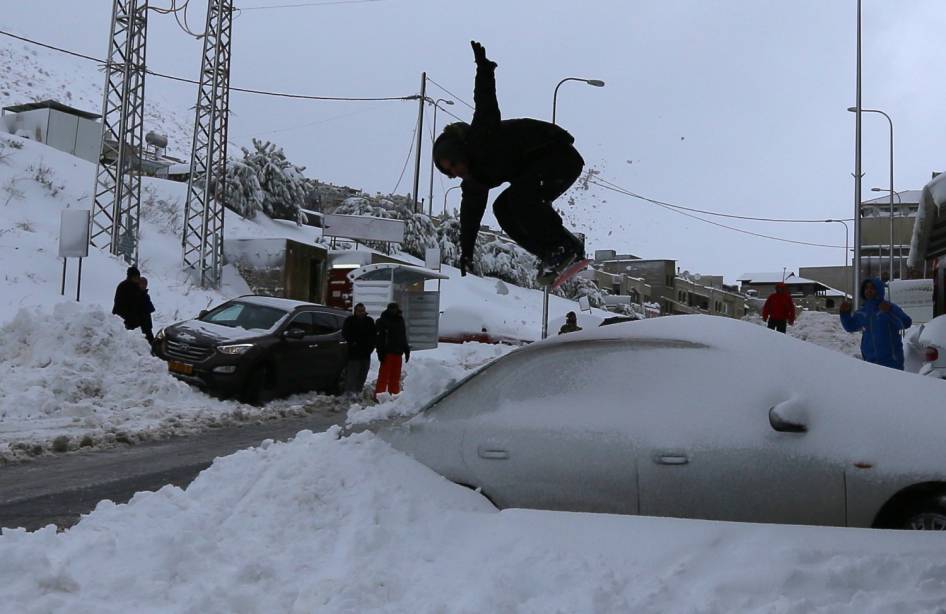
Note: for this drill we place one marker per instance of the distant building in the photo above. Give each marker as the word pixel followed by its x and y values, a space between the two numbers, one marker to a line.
pixel 875 233
pixel 57 125
pixel 927 257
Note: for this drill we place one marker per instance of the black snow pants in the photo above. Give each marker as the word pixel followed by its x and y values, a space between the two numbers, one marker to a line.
pixel 524 209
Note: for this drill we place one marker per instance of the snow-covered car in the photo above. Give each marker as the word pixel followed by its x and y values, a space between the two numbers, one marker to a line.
pixel 692 416
pixel 258 348
pixel 933 341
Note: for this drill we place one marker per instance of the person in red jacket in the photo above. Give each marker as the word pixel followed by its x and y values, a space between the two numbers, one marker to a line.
pixel 779 310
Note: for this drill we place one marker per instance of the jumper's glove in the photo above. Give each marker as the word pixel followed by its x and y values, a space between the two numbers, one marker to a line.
pixel 407 356
pixel 479 54
pixel 466 264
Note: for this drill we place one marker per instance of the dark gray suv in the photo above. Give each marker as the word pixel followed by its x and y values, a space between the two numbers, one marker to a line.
pixel 257 348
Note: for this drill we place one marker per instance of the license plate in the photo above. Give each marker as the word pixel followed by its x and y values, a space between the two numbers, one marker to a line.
pixel 180 367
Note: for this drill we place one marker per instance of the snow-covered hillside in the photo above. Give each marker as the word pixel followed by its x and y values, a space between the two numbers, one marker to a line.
pixel 29 73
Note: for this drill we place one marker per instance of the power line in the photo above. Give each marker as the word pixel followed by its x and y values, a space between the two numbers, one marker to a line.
pixel 451 93
pixel 690 215
pixel 304 4
pixel 232 89
pixel 715 213
pixel 410 149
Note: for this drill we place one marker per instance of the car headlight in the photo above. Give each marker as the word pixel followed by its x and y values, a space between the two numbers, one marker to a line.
pixel 236 349
pixel 160 336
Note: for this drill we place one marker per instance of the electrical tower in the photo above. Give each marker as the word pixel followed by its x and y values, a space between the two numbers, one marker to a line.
pixel 203 213
pixel 116 194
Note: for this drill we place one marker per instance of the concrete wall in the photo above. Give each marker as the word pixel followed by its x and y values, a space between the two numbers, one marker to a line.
pixel 838 277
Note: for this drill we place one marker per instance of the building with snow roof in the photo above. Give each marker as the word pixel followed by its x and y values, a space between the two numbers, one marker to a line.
pixel 807 293
pixel 57 125
pixel 927 255
pixel 875 233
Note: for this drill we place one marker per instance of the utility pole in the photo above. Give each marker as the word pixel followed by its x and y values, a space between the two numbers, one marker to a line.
pixel 856 288
pixel 202 238
pixel 420 135
pixel 116 193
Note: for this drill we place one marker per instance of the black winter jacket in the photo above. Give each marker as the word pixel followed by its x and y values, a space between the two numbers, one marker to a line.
pixel 392 335
pixel 498 151
pixel 360 334
pixel 129 303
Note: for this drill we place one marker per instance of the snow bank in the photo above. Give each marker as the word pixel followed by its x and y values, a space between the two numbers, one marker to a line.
pixel 822 329
pixel 349 525
pixel 427 375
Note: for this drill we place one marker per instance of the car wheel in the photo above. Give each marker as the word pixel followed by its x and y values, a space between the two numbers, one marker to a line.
pixel 338 386
pixel 260 387
pixel 929 515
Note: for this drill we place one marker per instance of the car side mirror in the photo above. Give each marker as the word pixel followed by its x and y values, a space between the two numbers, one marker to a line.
pixel 202 313
pixel 784 422
pixel 294 333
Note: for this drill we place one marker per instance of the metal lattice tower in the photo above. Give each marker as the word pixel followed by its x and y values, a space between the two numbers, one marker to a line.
pixel 116 194
pixel 203 213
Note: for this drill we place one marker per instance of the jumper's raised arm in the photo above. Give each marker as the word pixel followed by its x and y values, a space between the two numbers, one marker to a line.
pixel 486 114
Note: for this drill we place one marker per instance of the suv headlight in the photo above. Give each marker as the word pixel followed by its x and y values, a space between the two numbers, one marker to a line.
pixel 234 350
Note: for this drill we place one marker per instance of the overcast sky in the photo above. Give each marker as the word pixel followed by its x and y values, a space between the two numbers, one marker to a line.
pixel 734 106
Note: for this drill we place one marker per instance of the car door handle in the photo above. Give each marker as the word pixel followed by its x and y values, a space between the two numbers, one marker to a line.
pixel 671 459
pixel 492 453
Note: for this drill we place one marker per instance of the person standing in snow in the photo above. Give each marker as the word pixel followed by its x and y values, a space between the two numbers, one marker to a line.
pixel 779 310
pixel 391 344
pixel 129 304
pixel 360 334
pixel 881 321
pixel 538 160
pixel 570 325
pixel 147 308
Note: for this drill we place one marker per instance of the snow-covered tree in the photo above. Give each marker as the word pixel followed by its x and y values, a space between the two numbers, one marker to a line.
pixel 265 180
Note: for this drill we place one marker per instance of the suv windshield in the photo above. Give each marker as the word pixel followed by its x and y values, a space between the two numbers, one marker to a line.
pixel 236 314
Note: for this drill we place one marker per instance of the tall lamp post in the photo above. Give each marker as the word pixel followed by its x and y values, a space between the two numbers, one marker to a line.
pixel 889 121
pixel 448 190
pixel 430 194
pixel 856 281
pixel 545 293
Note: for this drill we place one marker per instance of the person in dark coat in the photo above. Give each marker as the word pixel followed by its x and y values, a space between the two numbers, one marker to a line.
pixel 570 325
pixel 359 332
pixel 538 160
pixel 391 345
pixel 779 310
pixel 147 308
pixel 129 305
pixel 881 321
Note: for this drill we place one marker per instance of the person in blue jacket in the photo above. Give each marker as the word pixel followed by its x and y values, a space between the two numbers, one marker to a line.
pixel 881 322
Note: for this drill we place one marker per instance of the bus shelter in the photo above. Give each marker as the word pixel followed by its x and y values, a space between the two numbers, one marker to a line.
pixel 376 285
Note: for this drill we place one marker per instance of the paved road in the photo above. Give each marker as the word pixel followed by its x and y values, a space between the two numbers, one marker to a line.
pixel 56 490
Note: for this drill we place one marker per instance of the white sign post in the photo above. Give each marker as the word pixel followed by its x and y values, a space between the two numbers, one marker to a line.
pixel 915 297
pixel 73 242
pixel 363 228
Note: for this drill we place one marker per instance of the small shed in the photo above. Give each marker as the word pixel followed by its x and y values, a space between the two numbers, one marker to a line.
pixel 280 267
pixel 376 285
pixel 57 125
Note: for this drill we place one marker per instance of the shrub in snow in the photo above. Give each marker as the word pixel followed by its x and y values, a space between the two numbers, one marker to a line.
pixel 265 180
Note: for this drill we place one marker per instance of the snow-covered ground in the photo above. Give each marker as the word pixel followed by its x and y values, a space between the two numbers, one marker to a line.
pixel 822 329
pixel 321 524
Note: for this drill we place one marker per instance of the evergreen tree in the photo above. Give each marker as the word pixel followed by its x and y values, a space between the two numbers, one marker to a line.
pixel 264 180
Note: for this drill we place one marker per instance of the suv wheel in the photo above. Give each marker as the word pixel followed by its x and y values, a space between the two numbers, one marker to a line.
pixel 338 386
pixel 926 515
pixel 260 387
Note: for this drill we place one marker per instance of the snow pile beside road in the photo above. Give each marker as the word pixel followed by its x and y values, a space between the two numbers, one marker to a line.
pixel 428 374
pixel 822 329
pixel 350 525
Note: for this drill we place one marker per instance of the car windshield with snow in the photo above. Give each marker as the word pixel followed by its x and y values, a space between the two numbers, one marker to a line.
pixel 257 348
pixel 682 417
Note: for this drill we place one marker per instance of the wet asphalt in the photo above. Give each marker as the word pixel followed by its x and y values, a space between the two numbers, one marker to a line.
pixel 59 489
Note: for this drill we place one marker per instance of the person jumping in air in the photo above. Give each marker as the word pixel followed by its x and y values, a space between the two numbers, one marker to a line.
pixel 536 158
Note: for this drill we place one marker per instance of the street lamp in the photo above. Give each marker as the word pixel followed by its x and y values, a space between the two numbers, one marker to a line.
pixel 592 82
pixel 545 292
pixel 430 196
pixel 846 237
pixel 445 198
pixel 889 121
